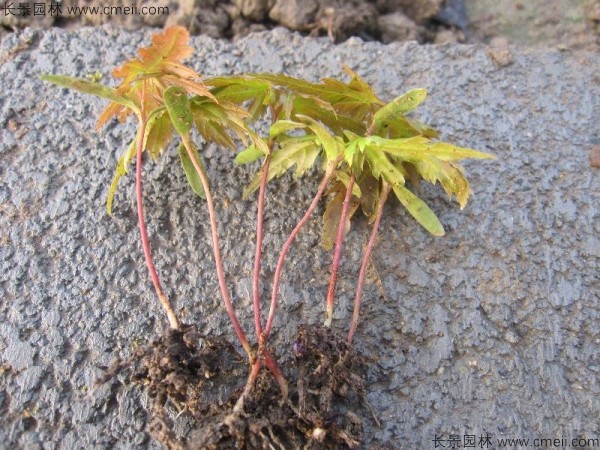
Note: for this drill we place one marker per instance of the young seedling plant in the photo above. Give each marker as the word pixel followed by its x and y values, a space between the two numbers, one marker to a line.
pixel 155 88
pixel 365 149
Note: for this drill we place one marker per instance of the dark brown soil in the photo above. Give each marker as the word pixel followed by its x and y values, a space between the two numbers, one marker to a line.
pixel 325 409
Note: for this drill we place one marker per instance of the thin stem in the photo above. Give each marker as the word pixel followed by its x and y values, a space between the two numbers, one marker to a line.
pixel 259 240
pixel 166 304
pixel 271 363
pixel 254 371
pixel 365 262
pixel 216 250
pixel 337 257
pixel 288 244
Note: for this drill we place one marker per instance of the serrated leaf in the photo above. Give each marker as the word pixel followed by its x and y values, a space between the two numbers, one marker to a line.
pixel 381 167
pixel 190 171
pixel 159 133
pixel 121 170
pixel 283 126
pixel 331 220
pixel 398 107
pixel 237 89
pixel 415 148
pixel 218 122
pixel 369 187
pixel 326 114
pixel 249 155
pixel 178 106
pixel 449 152
pixel 406 127
pixel 450 176
pixel 331 217
pixel 345 179
pixel 306 160
pixel 89 87
pixel 332 146
pixel 349 99
pixel 419 210
pixel 242 89
pixel 299 151
pixel 130 153
pixel 358 84
pixel 157 67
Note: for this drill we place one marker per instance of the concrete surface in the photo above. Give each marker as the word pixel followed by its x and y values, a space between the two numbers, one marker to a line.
pixel 493 329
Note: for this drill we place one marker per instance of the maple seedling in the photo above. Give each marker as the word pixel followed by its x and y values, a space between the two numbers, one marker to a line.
pixel 367 149
pixel 154 87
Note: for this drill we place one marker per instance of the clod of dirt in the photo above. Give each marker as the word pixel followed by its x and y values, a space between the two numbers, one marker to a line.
pixel 499 52
pixel 419 11
pixel 322 411
pixel 343 19
pixel 295 14
pixel 209 17
pixel 397 27
pixel 173 371
pixel 256 10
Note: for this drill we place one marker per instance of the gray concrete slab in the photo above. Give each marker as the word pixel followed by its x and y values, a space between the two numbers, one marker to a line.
pixel 493 329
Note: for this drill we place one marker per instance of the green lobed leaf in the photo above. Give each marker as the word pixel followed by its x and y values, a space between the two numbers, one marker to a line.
pixel 349 99
pixel 90 87
pixel 332 214
pixel 345 179
pixel 249 155
pixel 332 146
pixel 283 126
pixel 306 160
pixel 324 113
pixel 121 170
pixel 159 131
pixel 190 170
pixel 369 187
pixel 450 176
pixel 382 167
pixel 419 210
pixel 178 106
pixel 219 122
pixel 398 107
pixel 130 153
pixel 241 89
pixel 405 127
pixel 419 147
pixel 299 151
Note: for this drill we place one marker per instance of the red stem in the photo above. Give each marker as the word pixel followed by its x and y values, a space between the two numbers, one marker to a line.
pixel 254 371
pixel 259 240
pixel 365 262
pixel 286 247
pixel 216 250
pixel 337 257
pixel 173 321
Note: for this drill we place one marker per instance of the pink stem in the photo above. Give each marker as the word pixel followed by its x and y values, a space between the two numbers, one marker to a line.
pixel 365 262
pixel 271 363
pixel 286 247
pixel 216 250
pixel 337 257
pixel 254 371
pixel 173 321
pixel 259 240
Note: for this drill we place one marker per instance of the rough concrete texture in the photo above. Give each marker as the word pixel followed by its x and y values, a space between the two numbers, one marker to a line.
pixel 494 328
